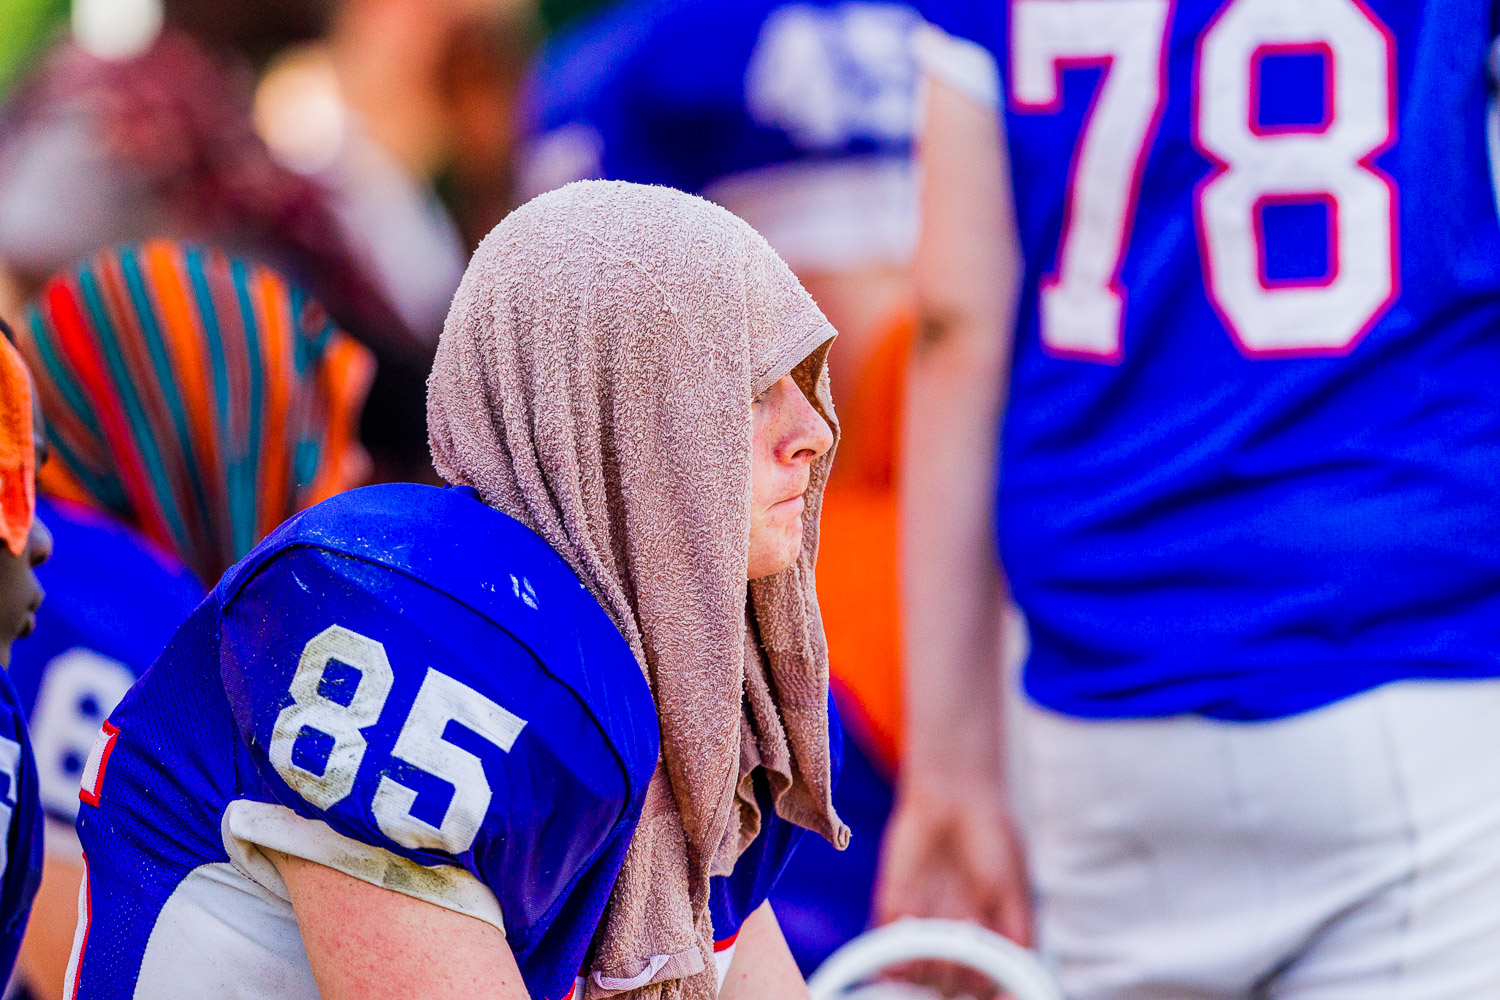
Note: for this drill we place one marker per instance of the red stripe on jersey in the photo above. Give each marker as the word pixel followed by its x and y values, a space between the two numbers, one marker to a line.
pixel 90 789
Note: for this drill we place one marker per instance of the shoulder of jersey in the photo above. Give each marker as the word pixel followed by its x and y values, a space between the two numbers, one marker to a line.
pixel 582 68
pixel 450 541
pixel 579 65
pixel 92 549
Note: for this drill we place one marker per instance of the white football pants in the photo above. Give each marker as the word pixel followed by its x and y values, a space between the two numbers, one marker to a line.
pixel 1351 853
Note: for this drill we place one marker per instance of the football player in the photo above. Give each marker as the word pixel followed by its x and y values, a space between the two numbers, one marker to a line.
pixel 194 401
pixel 551 733
pixel 1231 268
pixel 27 544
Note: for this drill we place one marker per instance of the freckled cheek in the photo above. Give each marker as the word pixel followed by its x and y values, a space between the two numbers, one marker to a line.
pixel 763 477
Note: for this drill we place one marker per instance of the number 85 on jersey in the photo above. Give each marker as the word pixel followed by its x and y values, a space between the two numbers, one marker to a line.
pixel 340 662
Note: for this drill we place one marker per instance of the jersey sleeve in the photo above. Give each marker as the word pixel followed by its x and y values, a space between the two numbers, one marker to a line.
pixel 960 44
pixel 402 738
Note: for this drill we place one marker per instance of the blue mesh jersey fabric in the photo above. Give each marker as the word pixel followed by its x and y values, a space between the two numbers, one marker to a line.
pixel 401 683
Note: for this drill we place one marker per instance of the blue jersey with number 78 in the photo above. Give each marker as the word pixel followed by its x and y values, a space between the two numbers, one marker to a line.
pixel 1252 456
pixel 399 683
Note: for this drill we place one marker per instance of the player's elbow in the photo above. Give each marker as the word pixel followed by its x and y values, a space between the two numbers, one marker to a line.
pixel 949 334
pixel 964 313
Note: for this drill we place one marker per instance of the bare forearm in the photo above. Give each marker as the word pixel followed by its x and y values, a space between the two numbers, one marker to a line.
pixel 967 272
pixel 952 588
pixel 368 943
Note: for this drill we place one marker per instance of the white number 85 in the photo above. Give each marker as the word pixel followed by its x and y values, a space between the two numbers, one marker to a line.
pixel 440 700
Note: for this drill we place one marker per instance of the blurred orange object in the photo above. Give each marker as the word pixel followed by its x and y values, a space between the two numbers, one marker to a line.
pixel 858 545
pixel 17 450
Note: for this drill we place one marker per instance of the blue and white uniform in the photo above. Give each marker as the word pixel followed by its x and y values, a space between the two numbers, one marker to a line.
pixel 402 684
pixel 113 601
pixel 1248 487
pixel 797 116
pixel 20 826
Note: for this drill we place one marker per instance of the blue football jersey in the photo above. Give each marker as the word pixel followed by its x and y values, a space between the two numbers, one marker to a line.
pixel 113 601
pixel 400 683
pixel 1252 452
pixel 20 826
pixel 684 92
pixel 797 116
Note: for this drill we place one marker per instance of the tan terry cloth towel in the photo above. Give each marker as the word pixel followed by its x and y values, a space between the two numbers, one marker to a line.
pixel 594 381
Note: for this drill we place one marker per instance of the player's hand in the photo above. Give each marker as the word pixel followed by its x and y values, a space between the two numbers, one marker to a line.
pixel 954 852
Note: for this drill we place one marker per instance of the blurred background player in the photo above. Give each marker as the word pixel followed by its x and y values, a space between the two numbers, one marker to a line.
pixel 797 117
pixel 1232 273
pixel 148 133
pixel 194 401
pixel 27 545
pixel 145 121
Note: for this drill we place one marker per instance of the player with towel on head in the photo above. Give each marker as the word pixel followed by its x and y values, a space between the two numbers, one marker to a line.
pixel 798 117
pixel 551 732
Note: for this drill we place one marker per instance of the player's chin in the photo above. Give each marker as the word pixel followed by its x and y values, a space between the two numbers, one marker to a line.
pixel 18 618
pixel 17 623
pixel 776 550
pixel 789 544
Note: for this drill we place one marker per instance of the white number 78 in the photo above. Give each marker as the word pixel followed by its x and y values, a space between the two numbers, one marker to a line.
pixel 1082 301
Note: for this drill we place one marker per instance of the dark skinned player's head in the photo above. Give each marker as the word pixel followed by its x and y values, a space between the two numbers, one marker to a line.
pixel 26 541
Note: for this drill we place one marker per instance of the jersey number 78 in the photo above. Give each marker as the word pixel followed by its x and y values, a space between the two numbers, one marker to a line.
pixel 1083 301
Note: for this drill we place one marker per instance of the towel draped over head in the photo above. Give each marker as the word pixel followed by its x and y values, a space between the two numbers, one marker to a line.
pixel 199 397
pixel 17 451
pixel 595 381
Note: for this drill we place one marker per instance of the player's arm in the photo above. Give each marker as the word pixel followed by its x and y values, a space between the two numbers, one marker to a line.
pixel 368 943
pixel 950 849
pixel 763 967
